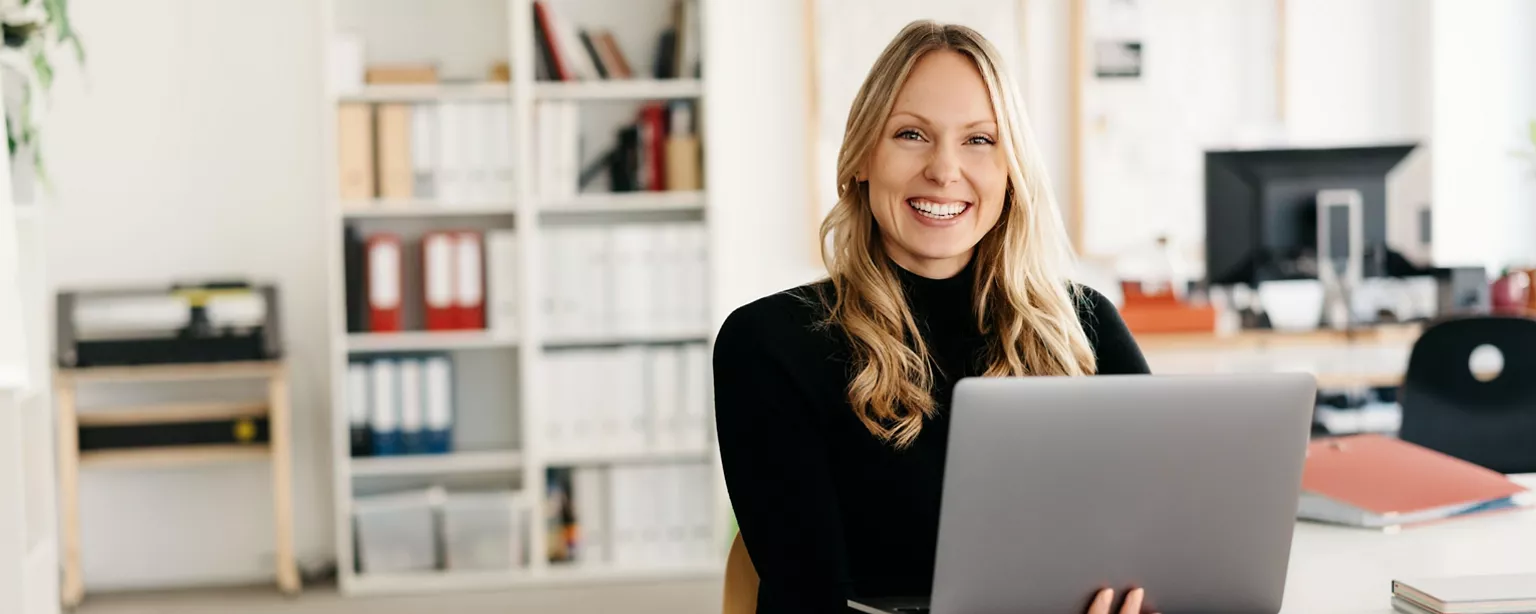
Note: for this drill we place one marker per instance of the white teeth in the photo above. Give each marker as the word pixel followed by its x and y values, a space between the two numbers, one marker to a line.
pixel 935 210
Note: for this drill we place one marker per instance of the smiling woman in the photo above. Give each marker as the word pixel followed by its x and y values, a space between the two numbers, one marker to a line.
pixel 946 259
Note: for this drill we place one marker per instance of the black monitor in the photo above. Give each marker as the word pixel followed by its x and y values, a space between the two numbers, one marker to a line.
pixel 1261 210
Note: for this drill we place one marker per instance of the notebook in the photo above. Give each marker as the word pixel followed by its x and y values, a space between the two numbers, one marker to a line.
pixel 1488 594
pixel 1381 482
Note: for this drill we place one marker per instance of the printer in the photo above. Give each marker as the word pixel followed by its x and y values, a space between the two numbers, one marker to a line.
pixel 220 321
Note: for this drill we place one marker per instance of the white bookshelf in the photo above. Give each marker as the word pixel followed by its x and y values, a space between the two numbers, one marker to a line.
pixel 514 359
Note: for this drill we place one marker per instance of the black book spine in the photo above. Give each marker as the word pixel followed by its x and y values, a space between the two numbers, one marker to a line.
pixel 357 299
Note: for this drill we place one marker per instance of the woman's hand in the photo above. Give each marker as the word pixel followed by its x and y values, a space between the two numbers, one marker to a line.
pixel 1106 597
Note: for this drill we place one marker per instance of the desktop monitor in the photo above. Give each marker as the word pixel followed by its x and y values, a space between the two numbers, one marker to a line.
pixel 1261 221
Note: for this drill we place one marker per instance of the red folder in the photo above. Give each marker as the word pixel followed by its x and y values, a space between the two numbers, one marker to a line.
pixel 1386 482
pixel 438 291
pixel 653 130
pixel 469 272
pixel 384 282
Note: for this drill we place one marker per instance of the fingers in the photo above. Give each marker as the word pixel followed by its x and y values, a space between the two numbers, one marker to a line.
pixel 1133 602
pixel 1102 601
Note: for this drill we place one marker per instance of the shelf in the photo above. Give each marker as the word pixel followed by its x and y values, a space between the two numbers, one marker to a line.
pixel 627 202
pixel 161 414
pixel 577 341
pixel 437 464
pixel 450 581
pixel 420 209
pixel 428 341
pixel 173 455
pixel 619 89
pixel 172 372
pixel 429 92
pixel 644 457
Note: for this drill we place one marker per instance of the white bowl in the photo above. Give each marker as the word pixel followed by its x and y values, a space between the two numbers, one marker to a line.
pixel 1293 304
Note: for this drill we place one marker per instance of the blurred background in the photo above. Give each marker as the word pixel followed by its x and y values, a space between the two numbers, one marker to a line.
pixel 380 305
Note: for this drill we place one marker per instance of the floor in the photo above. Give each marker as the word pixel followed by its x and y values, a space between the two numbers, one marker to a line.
pixel 677 597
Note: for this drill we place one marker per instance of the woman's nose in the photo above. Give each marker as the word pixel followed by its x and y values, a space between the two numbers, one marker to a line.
pixel 943 167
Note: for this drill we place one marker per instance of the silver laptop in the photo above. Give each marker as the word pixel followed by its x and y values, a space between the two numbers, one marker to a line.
pixel 1055 488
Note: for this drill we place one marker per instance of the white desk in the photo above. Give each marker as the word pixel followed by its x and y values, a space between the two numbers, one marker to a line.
pixel 1341 570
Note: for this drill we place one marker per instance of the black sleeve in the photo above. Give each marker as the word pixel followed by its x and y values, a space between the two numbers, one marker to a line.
pixel 1113 345
pixel 776 468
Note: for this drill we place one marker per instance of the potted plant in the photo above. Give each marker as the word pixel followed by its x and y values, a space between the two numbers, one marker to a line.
pixel 34 33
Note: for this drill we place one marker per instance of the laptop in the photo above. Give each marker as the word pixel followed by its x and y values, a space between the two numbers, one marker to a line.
pixel 1058 487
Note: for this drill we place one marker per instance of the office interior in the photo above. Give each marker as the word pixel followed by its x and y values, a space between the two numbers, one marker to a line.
pixel 388 194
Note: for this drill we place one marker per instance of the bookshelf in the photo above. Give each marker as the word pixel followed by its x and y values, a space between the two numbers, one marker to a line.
pixel 514 374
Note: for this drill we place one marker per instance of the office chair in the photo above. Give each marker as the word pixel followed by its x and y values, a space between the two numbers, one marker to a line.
pixel 1447 409
pixel 740 580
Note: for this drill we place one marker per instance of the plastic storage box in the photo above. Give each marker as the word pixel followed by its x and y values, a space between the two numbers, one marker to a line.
pixel 397 532
pixel 484 530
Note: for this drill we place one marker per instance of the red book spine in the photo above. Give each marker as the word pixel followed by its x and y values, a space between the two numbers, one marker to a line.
pixel 541 13
pixel 653 116
pixel 384 283
pixel 437 288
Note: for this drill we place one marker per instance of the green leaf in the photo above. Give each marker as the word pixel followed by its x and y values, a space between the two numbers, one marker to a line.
pixel 44 70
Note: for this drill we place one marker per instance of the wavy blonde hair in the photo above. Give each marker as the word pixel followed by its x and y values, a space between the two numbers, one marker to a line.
pixel 1024 303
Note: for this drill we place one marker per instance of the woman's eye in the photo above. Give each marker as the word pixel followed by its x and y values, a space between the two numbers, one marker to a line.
pixel 980 140
pixel 909 135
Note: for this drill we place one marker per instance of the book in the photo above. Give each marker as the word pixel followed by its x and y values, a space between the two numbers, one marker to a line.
pixel 1381 482
pixel 1480 594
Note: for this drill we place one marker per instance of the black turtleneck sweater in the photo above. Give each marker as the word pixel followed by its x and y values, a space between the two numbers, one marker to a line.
pixel 827 511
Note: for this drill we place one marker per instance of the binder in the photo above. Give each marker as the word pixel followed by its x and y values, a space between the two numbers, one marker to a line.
pixel 438 286
pixel 384 282
pixel 354 148
pixel 589 486
pixel 469 287
pixel 425 144
pixel 395 162
pixel 501 263
pixel 354 255
pixel 412 411
pixel 1386 483
pixel 693 431
pixel 358 409
pixel 452 162
pixel 628 395
pixel 665 407
pixel 384 417
pixel 438 397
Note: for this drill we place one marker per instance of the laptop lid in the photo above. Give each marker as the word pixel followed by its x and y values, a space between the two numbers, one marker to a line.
pixel 1057 487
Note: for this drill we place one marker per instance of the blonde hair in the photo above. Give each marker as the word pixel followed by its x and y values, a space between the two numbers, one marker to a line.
pixel 1023 301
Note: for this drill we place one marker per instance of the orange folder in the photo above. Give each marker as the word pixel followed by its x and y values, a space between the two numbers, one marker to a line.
pixel 1381 482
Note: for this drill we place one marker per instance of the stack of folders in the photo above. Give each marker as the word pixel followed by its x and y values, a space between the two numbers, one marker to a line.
pixel 652 399
pixel 658 151
pixel 1491 594
pixel 468 280
pixel 1385 483
pixel 630 516
pixel 631 279
pixel 454 154
pixel 401 405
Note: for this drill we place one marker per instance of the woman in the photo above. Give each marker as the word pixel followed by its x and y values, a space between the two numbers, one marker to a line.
pixel 947 258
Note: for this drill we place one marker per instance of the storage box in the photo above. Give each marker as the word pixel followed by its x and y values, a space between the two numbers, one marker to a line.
pixel 484 530
pixel 397 532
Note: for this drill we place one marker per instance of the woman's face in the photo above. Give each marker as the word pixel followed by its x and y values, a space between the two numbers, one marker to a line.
pixel 937 175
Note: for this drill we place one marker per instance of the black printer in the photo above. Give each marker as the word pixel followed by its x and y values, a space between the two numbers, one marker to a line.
pixel 224 321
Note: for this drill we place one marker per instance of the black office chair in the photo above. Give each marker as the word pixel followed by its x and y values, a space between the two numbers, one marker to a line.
pixel 1448 409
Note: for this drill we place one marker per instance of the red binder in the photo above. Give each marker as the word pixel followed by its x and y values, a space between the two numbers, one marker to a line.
pixel 438 288
pixel 384 282
pixel 653 128
pixel 469 270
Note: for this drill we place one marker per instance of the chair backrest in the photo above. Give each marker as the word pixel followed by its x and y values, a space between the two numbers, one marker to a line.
pixel 1448 409
pixel 740 580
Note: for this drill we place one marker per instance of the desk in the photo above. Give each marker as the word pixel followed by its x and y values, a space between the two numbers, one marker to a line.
pixel 1343 570
pixel 1375 357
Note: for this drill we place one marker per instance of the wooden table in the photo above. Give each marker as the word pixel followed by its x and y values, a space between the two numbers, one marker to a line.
pixel 1370 357
pixel 278 448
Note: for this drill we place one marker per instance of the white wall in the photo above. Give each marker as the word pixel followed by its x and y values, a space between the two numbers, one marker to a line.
pixel 191 148
pixel 1483 62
